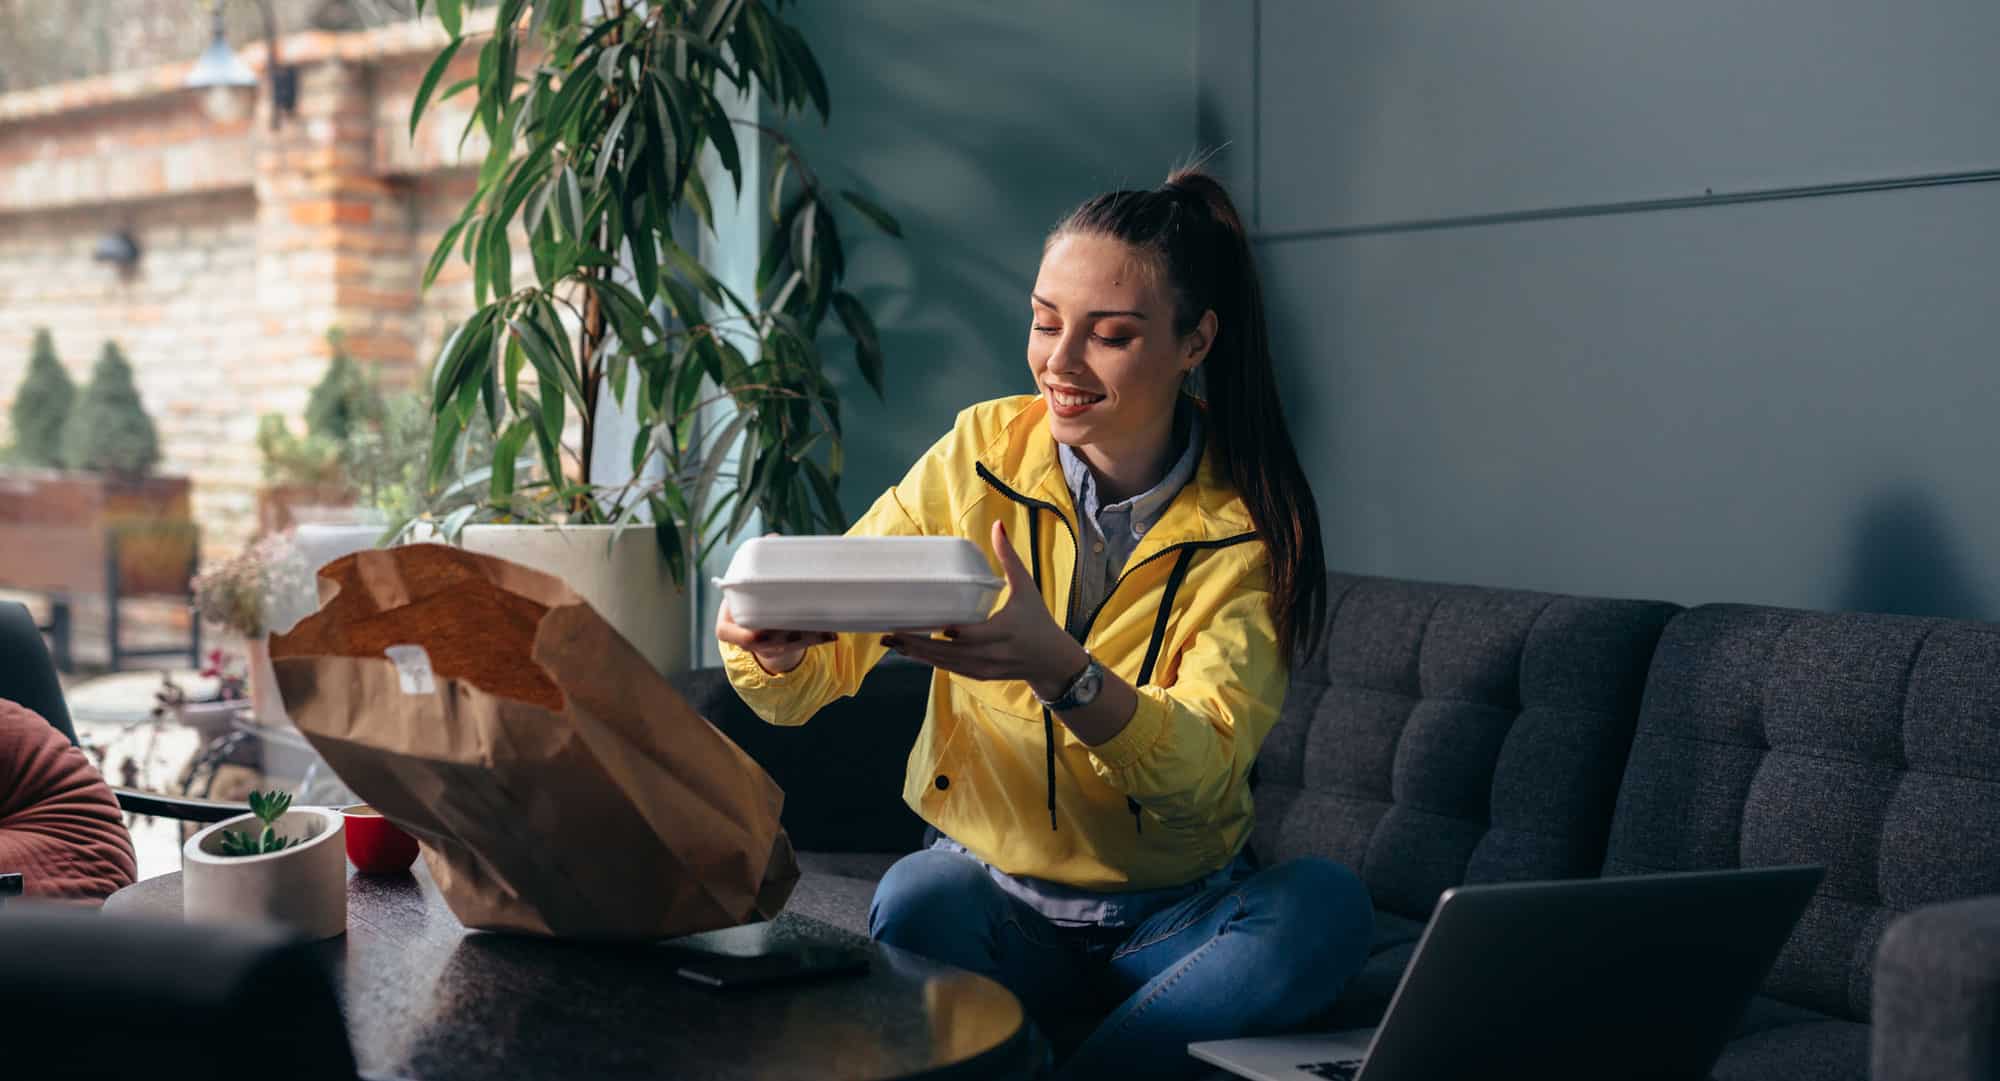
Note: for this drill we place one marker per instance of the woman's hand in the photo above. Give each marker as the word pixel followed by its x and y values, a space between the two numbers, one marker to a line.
pixel 777 651
pixel 1020 641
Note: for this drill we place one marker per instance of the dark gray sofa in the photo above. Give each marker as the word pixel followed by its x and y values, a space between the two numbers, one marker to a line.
pixel 1452 734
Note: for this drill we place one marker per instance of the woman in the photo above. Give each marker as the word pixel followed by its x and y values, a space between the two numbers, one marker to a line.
pixel 1163 561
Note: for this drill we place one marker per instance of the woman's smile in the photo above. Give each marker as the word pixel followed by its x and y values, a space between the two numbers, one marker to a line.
pixel 1068 402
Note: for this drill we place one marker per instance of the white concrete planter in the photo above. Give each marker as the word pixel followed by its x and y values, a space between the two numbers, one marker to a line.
pixel 625 579
pixel 303 887
pixel 324 542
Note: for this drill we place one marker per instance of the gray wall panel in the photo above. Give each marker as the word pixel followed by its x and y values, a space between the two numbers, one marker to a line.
pixel 1789 403
pixel 1384 111
pixel 978 126
pixel 1226 98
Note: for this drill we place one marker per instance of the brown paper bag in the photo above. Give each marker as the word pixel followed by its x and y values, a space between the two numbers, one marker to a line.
pixel 557 783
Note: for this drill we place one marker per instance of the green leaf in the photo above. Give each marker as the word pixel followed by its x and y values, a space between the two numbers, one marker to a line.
pixel 607 61
pixel 687 381
pixel 501 149
pixel 491 93
pixel 619 366
pixel 496 258
pixel 696 194
pixel 883 219
pixel 511 374
pixel 552 325
pixel 510 14
pixel 686 305
pixel 794 45
pixel 505 450
pixel 770 70
pixel 724 140
pixel 553 398
pixel 431 77
pixel 776 247
pixel 579 91
pixel 867 343
pixel 489 395
pixel 450 15
pixel 569 205
pixel 635 322
pixel 443 438
pixel 803 250
pixel 667 536
pixel 442 252
pixel 778 186
pixel 454 523
pixel 548 434
pixel 645 265
pixel 718 17
pixel 556 378
pixel 607 149
pixel 459 354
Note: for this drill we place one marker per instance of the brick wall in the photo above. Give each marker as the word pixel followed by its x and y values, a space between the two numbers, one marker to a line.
pixel 254 242
pixel 185 323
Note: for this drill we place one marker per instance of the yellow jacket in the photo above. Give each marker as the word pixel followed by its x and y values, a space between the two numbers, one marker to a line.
pixel 1166 800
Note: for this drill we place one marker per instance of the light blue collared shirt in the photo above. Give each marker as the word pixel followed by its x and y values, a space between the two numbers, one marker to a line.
pixel 1108 535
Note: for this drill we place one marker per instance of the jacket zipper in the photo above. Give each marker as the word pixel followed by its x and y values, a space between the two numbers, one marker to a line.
pixel 1048 718
pixel 1070 609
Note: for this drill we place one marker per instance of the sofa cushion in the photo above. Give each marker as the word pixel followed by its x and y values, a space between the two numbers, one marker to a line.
pixel 1448 734
pixel 1869 744
pixel 60 826
pixel 1777 1040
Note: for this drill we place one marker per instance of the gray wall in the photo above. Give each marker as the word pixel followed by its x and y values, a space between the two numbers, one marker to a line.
pixel 1690 301
pixel 978 126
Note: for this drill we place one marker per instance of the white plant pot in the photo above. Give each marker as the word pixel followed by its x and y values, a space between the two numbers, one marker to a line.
pixel 303 887
pixel 624 579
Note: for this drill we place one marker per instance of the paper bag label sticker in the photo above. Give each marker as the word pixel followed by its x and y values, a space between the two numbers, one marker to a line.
pixel 413 669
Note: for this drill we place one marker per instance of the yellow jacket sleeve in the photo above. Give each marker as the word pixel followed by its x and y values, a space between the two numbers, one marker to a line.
pixel 1190 744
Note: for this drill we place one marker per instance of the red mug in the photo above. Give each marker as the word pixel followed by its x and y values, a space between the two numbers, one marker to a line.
pixel 374 845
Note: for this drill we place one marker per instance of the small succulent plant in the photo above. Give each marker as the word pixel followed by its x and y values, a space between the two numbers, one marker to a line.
pixel 268 807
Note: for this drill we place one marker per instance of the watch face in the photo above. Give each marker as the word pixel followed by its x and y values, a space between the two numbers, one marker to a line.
pixel 1090 684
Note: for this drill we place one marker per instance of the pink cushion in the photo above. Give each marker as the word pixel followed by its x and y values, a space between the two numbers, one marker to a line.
pixel 60 826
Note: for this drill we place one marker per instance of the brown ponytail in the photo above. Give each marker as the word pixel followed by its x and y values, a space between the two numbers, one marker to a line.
pixel 1191 229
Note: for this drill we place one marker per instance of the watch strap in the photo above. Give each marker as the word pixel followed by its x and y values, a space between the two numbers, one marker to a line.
pixel 1069 699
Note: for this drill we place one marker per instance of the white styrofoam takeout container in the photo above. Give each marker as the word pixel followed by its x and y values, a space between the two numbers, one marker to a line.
pixel 858 583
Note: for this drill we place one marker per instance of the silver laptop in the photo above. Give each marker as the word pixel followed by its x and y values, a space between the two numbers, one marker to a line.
pixel 1643 976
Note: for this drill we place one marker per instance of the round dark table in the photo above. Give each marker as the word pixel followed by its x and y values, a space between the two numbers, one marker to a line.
pixel 427 999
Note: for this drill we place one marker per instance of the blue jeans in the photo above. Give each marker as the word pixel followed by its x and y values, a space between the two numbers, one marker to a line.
pixel 1258 955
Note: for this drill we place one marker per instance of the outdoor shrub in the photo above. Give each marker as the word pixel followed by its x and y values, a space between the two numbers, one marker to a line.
pixel 109 430
pixel 345 399
pixel 42 406
pixel 345 409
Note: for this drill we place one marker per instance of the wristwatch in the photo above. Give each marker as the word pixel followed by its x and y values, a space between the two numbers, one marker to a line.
pixel 1081 691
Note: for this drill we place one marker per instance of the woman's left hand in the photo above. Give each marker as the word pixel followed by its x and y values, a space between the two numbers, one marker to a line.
pixel 1020 641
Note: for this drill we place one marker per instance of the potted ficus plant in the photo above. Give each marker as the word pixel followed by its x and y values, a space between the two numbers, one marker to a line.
pixel 599 118
pixel 279 862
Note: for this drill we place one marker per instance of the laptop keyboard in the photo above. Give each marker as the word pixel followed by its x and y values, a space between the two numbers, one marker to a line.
pixel 1342 1070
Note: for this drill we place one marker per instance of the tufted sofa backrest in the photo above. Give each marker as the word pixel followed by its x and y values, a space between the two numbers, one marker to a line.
pixel 1447 734
pixel 1866 743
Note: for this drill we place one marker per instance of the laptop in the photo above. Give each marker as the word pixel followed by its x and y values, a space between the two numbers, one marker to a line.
pixel 1646 974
